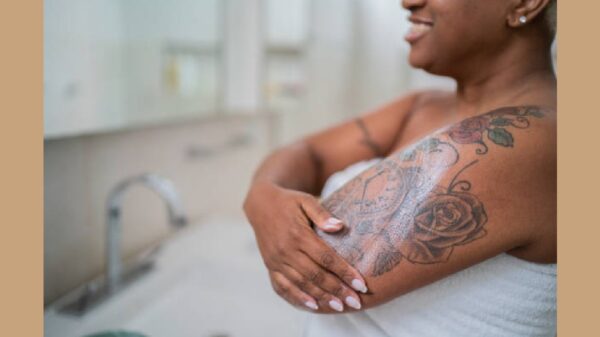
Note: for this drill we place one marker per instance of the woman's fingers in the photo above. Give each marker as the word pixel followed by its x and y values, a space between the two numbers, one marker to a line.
pixel 324 299
pixel 328 258
pixel 322 285
pixel 320 216
pixel 316 270
pixel 292 294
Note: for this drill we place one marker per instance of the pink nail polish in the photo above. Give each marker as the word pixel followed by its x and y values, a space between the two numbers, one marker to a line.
pixel 353 302
pixel 336 305
pixel 332 223
pixel 359 285
pixel 312 305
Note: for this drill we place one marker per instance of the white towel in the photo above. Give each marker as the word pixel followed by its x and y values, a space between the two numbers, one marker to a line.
pixel 502 296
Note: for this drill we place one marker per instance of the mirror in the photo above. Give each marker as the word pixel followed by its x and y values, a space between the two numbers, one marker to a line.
pixel 111 64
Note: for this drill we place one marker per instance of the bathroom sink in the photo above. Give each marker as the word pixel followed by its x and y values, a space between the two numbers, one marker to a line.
pixel 208 280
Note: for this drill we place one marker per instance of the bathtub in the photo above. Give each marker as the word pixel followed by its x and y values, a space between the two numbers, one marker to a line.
pixel 209 280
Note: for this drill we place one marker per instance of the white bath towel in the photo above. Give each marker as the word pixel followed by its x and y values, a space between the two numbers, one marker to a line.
pixel 502 296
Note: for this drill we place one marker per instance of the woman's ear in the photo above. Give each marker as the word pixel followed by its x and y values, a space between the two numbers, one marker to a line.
pixel 524 11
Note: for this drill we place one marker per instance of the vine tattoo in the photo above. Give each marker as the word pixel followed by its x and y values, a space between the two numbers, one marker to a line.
pixel 397 210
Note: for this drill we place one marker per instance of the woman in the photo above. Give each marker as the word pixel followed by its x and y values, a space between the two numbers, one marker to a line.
pixel 453 231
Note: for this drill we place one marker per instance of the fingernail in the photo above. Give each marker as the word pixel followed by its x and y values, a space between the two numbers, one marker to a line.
pixel 332 223
pixel 359 285
pixel 336 305
pixel 353 302
pixel 312 305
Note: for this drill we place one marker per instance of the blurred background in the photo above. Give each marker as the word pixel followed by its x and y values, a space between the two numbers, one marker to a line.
pixel 195 92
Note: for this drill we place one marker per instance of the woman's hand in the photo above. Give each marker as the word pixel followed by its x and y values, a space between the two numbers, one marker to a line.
pixel 304 270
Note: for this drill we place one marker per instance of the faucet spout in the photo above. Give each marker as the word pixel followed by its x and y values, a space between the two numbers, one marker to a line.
pixel 165 189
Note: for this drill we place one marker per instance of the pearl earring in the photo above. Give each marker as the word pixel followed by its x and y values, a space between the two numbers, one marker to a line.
pixel 523 19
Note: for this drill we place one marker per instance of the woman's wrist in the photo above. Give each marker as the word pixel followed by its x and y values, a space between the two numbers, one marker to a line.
pixel 259 193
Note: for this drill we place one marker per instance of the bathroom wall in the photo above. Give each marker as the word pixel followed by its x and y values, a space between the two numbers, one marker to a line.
pixel 327 63
pixel 210 163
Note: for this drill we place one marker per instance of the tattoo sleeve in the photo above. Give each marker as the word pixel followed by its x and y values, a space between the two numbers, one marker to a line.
pixel 417 205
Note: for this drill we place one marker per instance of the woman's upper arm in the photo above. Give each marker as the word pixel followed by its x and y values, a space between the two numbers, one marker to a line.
pixel 456 198
pixel 368 136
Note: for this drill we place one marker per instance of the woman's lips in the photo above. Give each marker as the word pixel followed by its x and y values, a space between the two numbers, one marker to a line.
pixel 417 30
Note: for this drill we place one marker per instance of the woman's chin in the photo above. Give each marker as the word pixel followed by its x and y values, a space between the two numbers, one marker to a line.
pixel 428 64
pixel 419 62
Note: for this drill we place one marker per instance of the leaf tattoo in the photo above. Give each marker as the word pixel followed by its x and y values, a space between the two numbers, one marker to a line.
pixel 501 137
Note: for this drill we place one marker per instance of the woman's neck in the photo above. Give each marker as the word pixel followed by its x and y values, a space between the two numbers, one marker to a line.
pixel 521 76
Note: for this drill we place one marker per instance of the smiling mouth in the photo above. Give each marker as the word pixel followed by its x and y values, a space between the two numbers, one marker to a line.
pixel 418 29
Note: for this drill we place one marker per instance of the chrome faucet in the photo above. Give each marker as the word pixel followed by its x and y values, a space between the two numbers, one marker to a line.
pixel 96 291
pixel 165 189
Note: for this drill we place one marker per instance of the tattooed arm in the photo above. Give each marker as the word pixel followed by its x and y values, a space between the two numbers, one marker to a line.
pixel 281 206
pixel 457 197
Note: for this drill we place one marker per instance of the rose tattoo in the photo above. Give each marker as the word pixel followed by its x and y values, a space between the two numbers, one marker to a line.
pixel 470 130
pixel 446 218
pixel 443 221
pixel 494 123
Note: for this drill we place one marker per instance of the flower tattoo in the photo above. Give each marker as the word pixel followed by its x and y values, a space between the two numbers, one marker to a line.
pixel 445 219
pixel 470 130
pixel 494 123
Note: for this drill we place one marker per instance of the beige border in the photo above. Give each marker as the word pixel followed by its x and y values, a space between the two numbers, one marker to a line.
pixel 22 168
pixel 21 150
pixel 578 169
